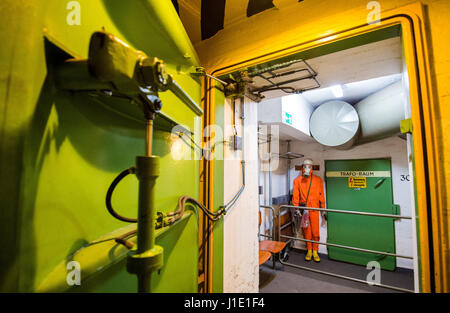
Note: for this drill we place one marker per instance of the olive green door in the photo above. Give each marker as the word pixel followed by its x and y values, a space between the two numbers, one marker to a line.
pixel 364 186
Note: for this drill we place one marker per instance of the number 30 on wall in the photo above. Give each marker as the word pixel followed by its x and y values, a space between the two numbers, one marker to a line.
pixel 404 177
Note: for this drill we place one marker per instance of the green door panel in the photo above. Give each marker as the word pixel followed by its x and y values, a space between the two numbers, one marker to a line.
pixel 367 232
pixel 60 150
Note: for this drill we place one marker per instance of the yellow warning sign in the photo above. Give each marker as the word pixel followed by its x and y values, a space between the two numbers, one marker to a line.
pixel 357 182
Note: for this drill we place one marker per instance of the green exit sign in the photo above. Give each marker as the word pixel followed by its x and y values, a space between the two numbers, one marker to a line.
pixel 287 118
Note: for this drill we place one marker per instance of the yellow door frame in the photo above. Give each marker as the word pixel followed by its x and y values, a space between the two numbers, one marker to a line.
pixel 428 187
pixel 206 227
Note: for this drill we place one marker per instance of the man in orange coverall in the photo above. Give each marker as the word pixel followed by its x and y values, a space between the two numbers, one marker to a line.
pixel 308 192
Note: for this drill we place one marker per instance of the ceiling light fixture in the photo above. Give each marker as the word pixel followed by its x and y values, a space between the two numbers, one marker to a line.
pixel 337 91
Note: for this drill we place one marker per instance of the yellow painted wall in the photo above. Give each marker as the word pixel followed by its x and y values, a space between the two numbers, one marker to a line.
pixel 292 23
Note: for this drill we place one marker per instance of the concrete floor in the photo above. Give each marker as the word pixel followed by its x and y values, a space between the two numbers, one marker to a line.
pixel 287 279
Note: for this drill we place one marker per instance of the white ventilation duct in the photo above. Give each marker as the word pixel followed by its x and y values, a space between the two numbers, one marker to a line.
pixel 380 113
pixel 339 125
pixel 335 124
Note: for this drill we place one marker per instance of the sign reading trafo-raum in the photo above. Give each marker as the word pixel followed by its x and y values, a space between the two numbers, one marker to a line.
pixel 358 179
pixel 359 174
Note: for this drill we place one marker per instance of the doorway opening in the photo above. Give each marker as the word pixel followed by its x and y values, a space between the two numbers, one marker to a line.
pixel 346 106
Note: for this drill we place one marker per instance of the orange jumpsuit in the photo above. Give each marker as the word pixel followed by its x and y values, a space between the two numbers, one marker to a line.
pixel 316 199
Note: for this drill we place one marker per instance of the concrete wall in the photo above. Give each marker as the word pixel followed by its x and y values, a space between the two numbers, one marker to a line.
pixel 240 264
pixel 270 110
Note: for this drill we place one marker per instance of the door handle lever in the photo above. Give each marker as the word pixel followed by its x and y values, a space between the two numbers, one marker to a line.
pixel 379 183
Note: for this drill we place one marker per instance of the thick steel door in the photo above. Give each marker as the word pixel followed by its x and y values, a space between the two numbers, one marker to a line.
pixel 364 186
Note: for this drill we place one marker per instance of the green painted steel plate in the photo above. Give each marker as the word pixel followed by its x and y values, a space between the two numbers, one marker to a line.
pixel 62 150
pixel 364 186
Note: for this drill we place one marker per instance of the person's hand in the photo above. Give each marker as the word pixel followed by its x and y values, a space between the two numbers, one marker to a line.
pixel 324 219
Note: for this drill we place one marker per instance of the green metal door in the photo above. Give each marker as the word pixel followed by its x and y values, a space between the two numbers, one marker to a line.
pixel 364 186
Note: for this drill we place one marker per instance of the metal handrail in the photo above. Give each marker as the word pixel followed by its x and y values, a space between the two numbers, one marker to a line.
pixel 345 277
pixel 347 212
pixel 274 215
pixel 341 246
pixel 350 248
pixel 286 225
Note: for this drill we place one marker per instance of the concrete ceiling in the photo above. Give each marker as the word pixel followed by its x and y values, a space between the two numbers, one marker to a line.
pixel 190 15
pixel 352 92
pixel 380 60
pixel 235 13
